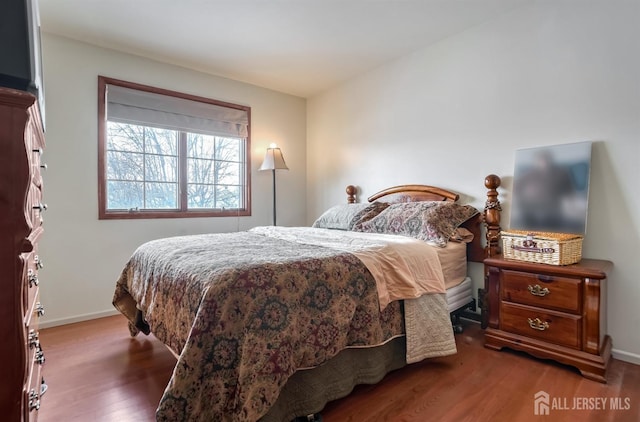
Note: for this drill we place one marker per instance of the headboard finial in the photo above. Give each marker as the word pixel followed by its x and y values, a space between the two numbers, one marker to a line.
pixel 492 210
pixel 351 194
pixel 492 182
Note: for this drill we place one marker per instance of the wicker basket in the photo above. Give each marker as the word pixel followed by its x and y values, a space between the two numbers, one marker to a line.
pixel 540 247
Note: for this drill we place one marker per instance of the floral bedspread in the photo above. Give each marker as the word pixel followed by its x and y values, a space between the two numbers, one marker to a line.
pixel 245 311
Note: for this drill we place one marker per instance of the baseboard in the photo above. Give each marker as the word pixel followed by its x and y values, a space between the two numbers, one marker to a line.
pixel 78 318
pixel 625 356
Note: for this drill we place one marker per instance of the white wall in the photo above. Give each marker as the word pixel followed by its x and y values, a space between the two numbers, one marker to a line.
pixel 448 115
pixel 83 256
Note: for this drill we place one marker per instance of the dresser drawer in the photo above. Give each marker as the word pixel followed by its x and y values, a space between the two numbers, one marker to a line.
pixel 559 293
pixel 30 282
pixel 33 311
pixel 33 392
pixel 35 360
pixel 35 206
pixel 35 159
pixel 555 327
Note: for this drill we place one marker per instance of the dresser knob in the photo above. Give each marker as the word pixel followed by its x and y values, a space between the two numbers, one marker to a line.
pixel 538 291
pixel 39 309
pixel 33 339
pixel 41 207
pixel 39 356
pixel 38 262
pixel 44 166
pixel 38 150
pixel 34 402
pixel 33 278
pixel 537 324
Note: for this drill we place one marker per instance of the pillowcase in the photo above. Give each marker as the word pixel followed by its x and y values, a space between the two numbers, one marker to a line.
pixel 339 217
pixel 431 221
pixel 368 213
pixel 346 216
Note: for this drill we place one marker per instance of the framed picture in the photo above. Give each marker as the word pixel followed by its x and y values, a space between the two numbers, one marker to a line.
pixel 551 188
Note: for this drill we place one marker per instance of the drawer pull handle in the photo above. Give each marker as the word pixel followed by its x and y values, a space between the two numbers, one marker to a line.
pixel 538 291
pixel 39 309
pixel 33 339
pixel 44 166
pixel 33 278
pixel 40 207
pixel 34 402
pixel 39 356
pixel 537 324
pixel 38 262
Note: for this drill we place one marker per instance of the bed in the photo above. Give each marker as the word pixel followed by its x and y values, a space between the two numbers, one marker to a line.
pixel 272 323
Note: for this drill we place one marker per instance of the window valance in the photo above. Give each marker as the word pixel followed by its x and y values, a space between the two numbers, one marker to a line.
pixel 133 106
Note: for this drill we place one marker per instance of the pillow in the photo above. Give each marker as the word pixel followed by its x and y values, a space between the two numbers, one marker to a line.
pixel 432 221
pixel 339 217
pixel 368 213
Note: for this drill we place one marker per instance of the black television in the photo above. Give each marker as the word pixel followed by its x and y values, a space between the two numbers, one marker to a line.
pixel 20 56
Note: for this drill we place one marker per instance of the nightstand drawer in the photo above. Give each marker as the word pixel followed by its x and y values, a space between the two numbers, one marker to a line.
pixel 559 293
pixel 554 327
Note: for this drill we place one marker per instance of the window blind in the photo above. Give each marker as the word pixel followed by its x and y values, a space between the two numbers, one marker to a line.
pixel 133 106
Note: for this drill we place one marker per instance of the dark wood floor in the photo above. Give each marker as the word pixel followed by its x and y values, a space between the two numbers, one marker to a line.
pixel 96 373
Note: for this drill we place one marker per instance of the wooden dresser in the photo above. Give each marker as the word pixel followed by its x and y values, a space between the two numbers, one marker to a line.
pixel 21 144
pixel 552 312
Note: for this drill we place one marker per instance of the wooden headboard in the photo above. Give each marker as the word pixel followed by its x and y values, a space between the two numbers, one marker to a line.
pixel 477 250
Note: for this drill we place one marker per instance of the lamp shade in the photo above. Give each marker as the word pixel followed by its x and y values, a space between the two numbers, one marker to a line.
pixel 273 160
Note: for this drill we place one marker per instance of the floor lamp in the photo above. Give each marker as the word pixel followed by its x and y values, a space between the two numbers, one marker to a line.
pixel 273 160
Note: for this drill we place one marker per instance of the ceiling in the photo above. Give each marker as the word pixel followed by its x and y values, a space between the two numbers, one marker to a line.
pixel 300 47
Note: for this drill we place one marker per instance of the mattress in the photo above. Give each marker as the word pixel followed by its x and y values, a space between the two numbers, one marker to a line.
pixel 459 295
pixel 453 259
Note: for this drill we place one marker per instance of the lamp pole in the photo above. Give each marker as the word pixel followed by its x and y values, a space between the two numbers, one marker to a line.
pixel 274 196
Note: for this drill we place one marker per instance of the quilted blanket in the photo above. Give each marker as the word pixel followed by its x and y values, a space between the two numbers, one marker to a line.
pixel 246 310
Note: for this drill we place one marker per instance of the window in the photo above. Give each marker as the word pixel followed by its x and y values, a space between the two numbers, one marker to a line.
pixel 166 154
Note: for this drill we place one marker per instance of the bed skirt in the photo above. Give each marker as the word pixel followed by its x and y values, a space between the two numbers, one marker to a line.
pixel 308 391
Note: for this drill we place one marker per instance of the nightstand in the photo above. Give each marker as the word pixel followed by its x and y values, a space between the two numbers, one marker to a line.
pixel 551 312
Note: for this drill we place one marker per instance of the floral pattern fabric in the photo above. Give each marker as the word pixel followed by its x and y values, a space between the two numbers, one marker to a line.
pixel 368 213
pixel 245 311
pixel 431 221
